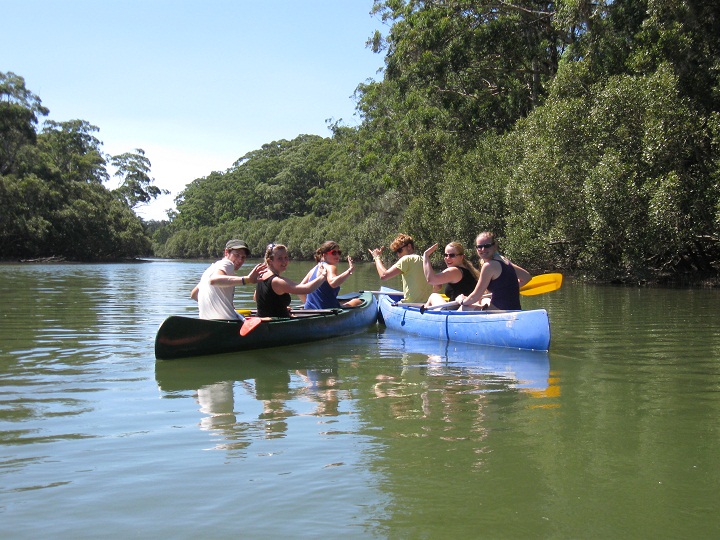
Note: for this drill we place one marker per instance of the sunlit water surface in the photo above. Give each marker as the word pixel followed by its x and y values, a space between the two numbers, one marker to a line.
pixel 614 433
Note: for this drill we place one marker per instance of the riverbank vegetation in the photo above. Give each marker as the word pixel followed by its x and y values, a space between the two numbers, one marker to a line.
pixel 52 194
pixel 585 135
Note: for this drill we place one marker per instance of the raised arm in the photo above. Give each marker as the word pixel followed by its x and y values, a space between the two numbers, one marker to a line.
pixel 335 279
pixel 427 266
pixel 448 275
pixel 221 279
pixel 282 285
pixel 384 273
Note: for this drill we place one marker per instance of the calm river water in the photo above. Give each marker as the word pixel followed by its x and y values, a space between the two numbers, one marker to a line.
pixel 613 433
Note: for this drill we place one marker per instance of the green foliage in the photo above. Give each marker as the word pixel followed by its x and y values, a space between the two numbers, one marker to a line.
pixel 72 152
pixel 19 111
pixel 610 181
pixel 282 179
pixel 137 186
pixel 51 192
pixel 585 135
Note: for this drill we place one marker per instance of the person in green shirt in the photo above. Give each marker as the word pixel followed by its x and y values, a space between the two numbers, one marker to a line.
pixel 409 266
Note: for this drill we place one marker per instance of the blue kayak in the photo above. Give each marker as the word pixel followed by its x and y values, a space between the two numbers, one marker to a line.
pixel 514 329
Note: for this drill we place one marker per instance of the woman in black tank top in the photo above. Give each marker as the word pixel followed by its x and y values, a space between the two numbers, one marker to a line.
pixel 272 292
pixel 498 275
pixel 459 277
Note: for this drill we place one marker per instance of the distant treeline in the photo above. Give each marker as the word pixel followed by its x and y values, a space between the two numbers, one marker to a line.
pixel 52 199
pixel 585 135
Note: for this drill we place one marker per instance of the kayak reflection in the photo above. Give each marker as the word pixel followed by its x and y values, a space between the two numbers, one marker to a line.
pixel 514 368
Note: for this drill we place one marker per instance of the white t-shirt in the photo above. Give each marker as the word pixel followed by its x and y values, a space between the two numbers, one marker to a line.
pixel 216 302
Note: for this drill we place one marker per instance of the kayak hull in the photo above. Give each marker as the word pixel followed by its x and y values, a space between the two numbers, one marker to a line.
pixel 514 329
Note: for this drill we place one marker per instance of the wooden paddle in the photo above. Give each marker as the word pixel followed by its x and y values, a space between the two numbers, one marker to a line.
pixel 385 293
pixel 351 295
pixel 544 283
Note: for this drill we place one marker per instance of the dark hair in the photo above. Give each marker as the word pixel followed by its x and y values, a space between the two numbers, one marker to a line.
pixel 324 248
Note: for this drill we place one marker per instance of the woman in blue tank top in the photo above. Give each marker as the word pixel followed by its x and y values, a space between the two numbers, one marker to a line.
pixel 327 257
pixel 498 276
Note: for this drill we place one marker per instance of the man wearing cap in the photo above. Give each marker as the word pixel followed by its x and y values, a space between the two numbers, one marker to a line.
pixel 215 292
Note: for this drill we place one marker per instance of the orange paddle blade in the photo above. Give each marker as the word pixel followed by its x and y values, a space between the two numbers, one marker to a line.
pixel 249 324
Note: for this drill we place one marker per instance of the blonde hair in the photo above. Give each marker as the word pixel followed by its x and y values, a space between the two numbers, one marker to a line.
pixel 460 250
pixel 487 233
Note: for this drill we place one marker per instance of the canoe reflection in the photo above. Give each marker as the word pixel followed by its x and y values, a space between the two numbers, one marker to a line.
pixel 251 398
pixel 522 369
pixel 278 388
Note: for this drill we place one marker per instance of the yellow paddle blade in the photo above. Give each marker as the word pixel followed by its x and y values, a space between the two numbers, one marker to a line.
pixel 544 283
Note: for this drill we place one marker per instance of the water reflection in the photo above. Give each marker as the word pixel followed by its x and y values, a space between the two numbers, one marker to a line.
pixel 245 398
pixel 412 439
pixel 446 386
pixel 497 367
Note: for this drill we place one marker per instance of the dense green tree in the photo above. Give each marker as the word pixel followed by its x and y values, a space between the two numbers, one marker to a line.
pixel 137 186
pixel 19 112
pixel 72 152
pixel 584 134
pixel 51 187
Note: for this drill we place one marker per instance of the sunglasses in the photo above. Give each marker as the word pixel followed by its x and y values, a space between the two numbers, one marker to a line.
pixel 335 252
pixel 485 246
pixel 399 250
pixel 451 255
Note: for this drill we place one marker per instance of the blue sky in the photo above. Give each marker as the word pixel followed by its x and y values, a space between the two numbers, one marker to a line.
pixel 195 84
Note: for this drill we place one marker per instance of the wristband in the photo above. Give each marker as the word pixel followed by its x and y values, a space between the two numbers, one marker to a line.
pixel 243 280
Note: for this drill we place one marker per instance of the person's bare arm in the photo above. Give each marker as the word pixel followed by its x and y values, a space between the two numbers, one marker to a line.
pixel 451 274
pixel 303 297
pixel 383 272
pixel 488 272
pixel 221 279
pixel 335 279
pixel 283 285
pixel 523 275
